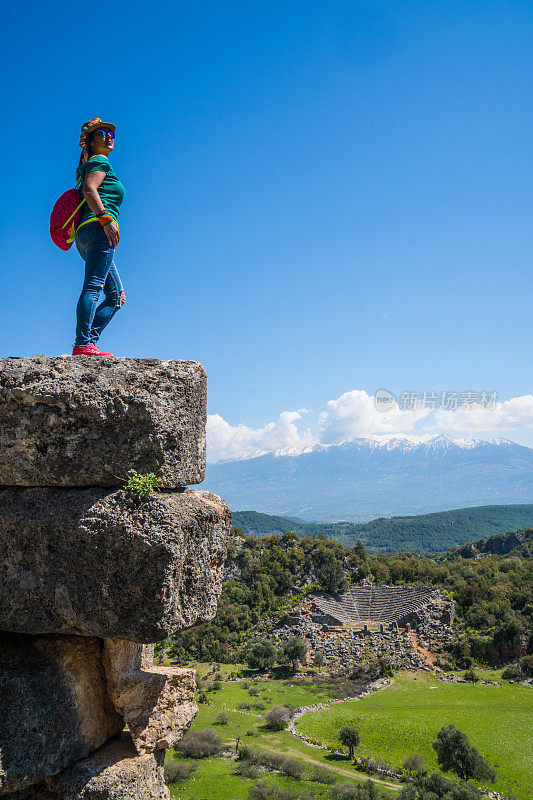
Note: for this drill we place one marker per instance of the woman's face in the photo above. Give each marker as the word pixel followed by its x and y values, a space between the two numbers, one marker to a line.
pixel 102 145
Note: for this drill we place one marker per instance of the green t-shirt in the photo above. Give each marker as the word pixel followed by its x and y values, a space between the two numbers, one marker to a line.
pixel 111 190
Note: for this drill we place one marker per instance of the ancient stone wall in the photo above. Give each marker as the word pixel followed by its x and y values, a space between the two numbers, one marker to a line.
pixel 90 577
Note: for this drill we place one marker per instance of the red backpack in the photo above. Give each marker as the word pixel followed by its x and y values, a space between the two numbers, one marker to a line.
pixel 65 218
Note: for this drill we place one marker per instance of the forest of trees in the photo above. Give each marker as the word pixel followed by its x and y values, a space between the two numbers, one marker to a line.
pixel 421 533
pixel 492 593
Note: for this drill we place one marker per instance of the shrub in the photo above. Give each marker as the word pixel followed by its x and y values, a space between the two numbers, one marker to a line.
pixel 246 769
pixel 178 770
pixel 264 791
pixel 322 775
pixel 292 768
pixel 222 718
pixel 271 761
pixel 259 706
pixel 470 676
pixel 245 753
pixel 244 706
pixel 366 764
pixel 318 659
pixel 141 486
pixel 277 718
pixel 437 787
pixel 252 733
pixel 527 665
pixel 253 692
pixel 216 686
pixel 351 791
pixel 415 764
pixel 513 672
pixel 199 744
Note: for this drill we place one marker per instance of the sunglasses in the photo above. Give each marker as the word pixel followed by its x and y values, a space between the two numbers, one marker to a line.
pixel 103 133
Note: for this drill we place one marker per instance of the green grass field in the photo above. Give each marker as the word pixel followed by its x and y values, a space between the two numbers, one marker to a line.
pixel 404 718
pixel 214 779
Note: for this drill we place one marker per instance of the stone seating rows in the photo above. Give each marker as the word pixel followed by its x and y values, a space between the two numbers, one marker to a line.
pixel 374 603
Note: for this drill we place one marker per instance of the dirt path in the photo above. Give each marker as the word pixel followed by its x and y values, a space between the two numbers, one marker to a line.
pixel 348 773
pixel 427 655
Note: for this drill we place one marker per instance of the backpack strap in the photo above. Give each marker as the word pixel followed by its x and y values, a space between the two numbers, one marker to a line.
pixel 72 232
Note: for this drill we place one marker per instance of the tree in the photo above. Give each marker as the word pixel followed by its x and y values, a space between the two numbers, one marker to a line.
pixel 455 753
pixel 349 737
pixel 295 650
pixel 329 570
pixel 360 551
pixel 261 654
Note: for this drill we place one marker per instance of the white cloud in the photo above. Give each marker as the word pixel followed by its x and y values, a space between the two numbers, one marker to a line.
pixel 514 413
pixel 234 441
pixel 355 414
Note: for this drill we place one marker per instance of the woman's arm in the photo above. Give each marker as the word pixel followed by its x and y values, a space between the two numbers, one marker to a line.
pixel 94 201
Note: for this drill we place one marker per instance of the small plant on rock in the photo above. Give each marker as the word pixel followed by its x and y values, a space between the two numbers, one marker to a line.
pixel 140 486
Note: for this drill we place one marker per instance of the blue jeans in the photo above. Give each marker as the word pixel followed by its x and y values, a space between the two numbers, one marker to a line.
pixel 100 275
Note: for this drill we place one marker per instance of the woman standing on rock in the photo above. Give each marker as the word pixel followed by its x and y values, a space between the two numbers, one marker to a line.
pixel 97 236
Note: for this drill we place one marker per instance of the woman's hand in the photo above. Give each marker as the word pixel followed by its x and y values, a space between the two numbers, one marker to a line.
pixel 111 231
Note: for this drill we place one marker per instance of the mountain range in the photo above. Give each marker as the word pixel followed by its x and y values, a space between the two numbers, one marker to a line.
pixel 378 476
pixel 424 533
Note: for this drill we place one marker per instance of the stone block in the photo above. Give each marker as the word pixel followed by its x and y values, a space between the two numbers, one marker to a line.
pixel 114 772
pixel 92 562
pixel 54 705
pixel 77 422
pixel 157 703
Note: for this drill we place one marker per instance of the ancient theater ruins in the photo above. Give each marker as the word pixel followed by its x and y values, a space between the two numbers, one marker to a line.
pixel 400 623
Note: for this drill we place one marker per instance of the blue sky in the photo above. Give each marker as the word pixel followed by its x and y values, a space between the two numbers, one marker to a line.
pixel 322 199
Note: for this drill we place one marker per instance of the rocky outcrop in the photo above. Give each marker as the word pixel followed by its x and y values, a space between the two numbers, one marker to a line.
pixel 94 563
pixel 157 703
pixel 90 578
pixel 54 705
pixel 85 422
pixel 114 772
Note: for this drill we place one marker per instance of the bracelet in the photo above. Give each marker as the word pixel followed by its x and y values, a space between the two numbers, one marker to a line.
pixel 105 219
pixel 100 213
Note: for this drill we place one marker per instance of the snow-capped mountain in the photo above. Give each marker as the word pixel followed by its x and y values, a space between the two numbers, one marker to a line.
pixel 377 476
pixel 405 442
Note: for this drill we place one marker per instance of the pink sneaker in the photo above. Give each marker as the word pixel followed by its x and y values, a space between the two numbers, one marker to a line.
pixel 90 350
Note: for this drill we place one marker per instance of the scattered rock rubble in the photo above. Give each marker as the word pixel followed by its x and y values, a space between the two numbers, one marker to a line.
pixel 90 578
pixel 394 623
